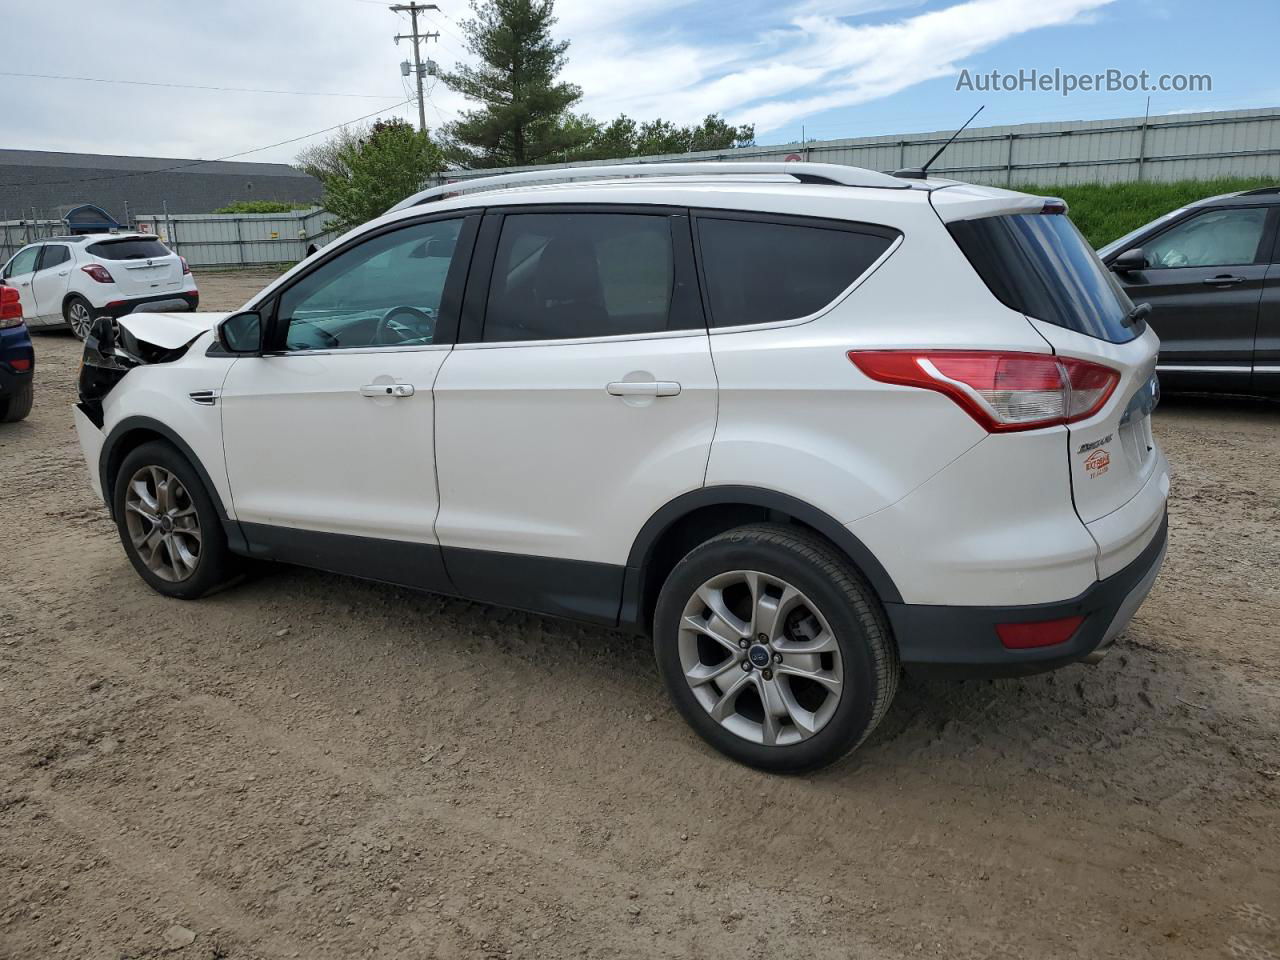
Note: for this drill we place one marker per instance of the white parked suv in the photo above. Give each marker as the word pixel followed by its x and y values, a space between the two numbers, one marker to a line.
pixel 70 281
pixel 801 423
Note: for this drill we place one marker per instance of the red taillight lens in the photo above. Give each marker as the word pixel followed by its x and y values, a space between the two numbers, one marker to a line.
pixel 21 365
pixel 1038 633
pixel 1002 390
pixel 185 269
pixel 10 307
pixel 98 272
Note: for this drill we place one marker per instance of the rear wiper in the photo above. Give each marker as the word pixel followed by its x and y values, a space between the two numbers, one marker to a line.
pixel 1139 312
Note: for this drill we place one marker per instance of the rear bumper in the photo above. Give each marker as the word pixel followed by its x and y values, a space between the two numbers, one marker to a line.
pixel 15 345
pixel 964 639
pixel 177 301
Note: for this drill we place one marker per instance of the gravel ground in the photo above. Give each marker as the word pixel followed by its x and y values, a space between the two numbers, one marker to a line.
pixel 311 766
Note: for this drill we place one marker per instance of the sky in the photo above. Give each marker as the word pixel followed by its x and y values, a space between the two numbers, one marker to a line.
pixel 821 69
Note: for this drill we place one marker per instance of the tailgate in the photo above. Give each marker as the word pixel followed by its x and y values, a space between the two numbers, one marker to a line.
pixel 140 265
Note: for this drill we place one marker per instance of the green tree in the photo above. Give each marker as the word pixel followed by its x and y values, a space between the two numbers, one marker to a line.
pixel 366 172
pixel 624 137
pixel 263 206
pixel 524 110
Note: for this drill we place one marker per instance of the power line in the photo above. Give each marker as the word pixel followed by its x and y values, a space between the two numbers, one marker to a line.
pixel 193 86
pixel 229 156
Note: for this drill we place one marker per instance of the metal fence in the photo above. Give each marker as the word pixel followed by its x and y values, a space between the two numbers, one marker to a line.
pixel 1197 146
pixel 206 240
pixel 1193 146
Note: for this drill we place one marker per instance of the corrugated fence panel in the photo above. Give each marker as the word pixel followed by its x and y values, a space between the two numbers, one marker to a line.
pixel 1197 146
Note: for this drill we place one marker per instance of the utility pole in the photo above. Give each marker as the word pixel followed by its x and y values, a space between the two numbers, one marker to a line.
pixel 413 8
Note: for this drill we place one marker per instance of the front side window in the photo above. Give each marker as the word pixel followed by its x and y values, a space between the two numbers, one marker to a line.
pixel 24 262
pixel 384 292
pixel 561 276
pixel 1217 238
pixel 759 271
pixel 55 254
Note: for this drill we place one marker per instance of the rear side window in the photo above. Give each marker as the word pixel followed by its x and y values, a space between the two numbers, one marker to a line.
pixel 1040 265
pixel 54 255
pixel 760 271
pixel 561 276
pixel 132 248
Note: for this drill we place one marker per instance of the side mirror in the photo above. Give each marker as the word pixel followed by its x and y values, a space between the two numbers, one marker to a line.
pixel 241 333
pixel 1130 260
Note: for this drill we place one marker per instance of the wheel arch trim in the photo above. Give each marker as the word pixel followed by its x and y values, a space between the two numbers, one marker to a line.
pixel 137 424
pixel 669 515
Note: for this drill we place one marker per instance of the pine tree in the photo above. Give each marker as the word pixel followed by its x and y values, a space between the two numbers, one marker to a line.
pixel 524 115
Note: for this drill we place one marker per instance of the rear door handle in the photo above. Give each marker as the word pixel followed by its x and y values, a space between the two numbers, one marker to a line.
pixel 1222 281
pixel 387 390
pixel 652 388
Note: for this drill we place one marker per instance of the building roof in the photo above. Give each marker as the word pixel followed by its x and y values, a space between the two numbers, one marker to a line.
pixel 102 161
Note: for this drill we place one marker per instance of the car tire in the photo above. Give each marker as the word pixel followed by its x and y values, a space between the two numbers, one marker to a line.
pixel 19 404
pixel 79 314
pixel 786 595
pixel 185 556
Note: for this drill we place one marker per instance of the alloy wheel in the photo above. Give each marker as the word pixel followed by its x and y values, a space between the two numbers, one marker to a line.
pixel 760 658
pixel 80 318
pixel 163 524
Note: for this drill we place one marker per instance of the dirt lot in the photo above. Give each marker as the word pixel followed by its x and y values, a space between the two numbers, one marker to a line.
pixel 309 766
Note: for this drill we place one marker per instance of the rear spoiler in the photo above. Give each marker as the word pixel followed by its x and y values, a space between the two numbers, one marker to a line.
pixel 968 201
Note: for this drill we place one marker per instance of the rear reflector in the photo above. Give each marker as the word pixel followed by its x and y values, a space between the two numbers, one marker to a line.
pixel 1038 633
pixel 21 365
pixel 1002 390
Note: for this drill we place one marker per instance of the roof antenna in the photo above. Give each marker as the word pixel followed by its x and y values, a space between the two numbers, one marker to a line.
pixel 922 173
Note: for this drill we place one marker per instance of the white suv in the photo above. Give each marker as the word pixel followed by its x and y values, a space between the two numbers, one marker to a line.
pixel 802 423
pixel 70 281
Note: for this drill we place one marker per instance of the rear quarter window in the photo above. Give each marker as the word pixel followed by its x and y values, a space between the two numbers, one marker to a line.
pixel 133 248
pixel 1040 265
pixel 764 271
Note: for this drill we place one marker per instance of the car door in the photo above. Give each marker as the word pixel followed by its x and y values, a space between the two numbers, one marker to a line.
pixel 52 278
pixel 1266 355
pixel 328 435
pixel 580 399
pixel 1204 282
pixel 18 273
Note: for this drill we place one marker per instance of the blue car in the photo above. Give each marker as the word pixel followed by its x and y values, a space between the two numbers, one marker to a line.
pixel 17 359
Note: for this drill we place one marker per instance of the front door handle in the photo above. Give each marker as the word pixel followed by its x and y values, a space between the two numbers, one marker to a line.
pixel 652 388
pixel 1222 281
pixel 63 273
pixel 387 390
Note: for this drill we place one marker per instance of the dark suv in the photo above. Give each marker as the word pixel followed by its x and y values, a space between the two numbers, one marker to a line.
pixel 1211 272
pixel 17 358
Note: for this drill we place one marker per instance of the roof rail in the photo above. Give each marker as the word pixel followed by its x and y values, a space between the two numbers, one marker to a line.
pixel 826 173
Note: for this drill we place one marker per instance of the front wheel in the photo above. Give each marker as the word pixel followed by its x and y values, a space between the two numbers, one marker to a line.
pixel 168 524
pixel 774 648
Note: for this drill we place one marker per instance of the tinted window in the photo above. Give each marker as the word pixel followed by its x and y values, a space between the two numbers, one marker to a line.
pixel 54 254
pixel 384 292
pixel 24 262
pixel 1217 238
pixel 760 272
pixel 563 275
pixel 136 248
pixel 1040 265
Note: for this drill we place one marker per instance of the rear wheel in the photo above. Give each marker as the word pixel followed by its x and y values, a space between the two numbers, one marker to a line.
pixel 78 312
pixel 774 648
pixel 168 524
pixel 19 403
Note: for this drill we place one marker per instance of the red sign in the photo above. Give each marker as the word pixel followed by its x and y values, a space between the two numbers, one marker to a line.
pixel 793 158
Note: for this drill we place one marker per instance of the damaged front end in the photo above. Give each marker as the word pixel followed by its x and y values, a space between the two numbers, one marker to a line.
pixel 110 352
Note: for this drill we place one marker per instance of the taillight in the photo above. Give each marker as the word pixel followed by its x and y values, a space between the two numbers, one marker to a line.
pixel 98 272
pixel 20 364
pixel 185 269
pixel 1003 391
pixel 10 307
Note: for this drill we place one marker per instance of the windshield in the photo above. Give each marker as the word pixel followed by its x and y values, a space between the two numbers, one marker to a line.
pixel 1040 265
